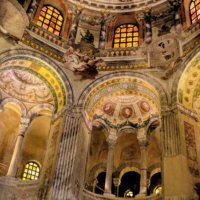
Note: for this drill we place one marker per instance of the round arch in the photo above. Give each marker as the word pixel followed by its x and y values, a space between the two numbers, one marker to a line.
pixel 44 70
pixel 18 103
pixel 183 70
pixel 121 83
pixel 164 97
pixel 128 169
pixel 101 167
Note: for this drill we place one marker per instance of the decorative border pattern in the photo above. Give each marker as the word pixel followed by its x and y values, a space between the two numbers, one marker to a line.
pixel 40 64
pixel 140 84
pixel 180 72
pixel 164 98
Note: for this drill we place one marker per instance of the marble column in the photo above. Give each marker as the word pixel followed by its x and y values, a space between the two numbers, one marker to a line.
pixel 74 28
pixel 174 162
pixel 24 124
pixel 170 135
pixel 111 140
pixel 143 142
pixel 63 182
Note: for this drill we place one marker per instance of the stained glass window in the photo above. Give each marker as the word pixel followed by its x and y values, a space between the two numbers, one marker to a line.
pixel 51 19
pixel 195 11
pixel 126 35
pixel 31 171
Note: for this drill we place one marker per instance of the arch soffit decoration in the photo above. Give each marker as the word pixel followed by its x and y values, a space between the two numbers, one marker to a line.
pixel 188 92
pixel 96 170
pixel 180 72
pixel 6 101
pixel 155 171
pixel 124 83
pixel 128 169
pixel 44 69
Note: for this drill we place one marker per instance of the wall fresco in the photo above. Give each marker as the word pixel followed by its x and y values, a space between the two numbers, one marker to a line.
pixel 191 149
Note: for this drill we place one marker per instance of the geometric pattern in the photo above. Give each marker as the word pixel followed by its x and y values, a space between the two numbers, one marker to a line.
pixel 31 171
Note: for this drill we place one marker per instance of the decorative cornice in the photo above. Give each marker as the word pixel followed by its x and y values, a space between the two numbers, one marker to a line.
pixel 125 123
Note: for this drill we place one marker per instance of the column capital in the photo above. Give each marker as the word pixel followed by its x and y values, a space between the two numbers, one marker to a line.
pixel 142 137
pixel 112 137
pixel 23 126
pixel 111 141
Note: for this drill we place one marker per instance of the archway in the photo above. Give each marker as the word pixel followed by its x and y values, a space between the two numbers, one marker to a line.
pixel 118 107
pixel 130 184
pixel 43 92
pixel 99 187
pixel 155 186
pixel 9 122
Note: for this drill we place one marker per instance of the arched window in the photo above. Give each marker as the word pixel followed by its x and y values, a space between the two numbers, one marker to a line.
pixel 31 171
pixel 195 11
pixel 130 185
pixel 126 35
pixel 51 19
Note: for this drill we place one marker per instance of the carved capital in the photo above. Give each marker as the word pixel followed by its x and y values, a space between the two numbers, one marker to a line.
pixel 112 138
pixel 142 137
pixel 23 126
pixel 75 111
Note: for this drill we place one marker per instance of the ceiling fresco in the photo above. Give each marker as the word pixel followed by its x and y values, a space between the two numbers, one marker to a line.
pixel 122 99
pixel 34 72
pixel 189 85
pixel 24 86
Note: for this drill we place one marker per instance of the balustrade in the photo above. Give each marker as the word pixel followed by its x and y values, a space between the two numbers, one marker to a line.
pixel 47 35
pixel 87 195
pixel 121 52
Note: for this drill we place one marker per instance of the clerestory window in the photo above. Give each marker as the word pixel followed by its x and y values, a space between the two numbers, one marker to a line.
pixel 126 35
pixel 195 11
pixel 31 171
pixel 51 19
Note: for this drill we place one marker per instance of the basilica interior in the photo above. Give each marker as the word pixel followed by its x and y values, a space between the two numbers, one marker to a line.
pixel 102 99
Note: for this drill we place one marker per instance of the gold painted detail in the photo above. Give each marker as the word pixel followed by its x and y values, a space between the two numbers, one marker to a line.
pixel 44 72
pixel 24 86
pixel 188 90
pixel 125 86
pixel 123 67
pixel 43 48
pixel 190 46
